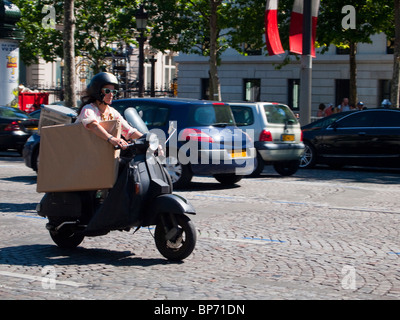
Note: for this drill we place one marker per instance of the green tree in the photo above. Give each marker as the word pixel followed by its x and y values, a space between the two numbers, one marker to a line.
pixel 99 23
pixel 203 27
pixel 371 17
pixel 40 41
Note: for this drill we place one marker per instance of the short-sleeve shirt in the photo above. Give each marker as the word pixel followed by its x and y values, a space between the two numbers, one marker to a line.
pixel 90 113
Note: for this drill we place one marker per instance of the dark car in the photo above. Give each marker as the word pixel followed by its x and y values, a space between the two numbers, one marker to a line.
pixel 206 142
pixel 367 138
pixel 16 126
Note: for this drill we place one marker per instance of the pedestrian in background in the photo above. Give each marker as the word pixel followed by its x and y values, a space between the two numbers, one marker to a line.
pixel 360 106
pixel 344 106
pixel 329 109
pixel 321 110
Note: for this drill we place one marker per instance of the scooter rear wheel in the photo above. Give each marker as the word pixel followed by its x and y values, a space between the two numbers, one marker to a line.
pixel 182 243
pixel 66 238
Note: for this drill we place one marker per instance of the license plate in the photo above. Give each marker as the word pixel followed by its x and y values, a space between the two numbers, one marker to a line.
pixel 288 137
pixel 238 154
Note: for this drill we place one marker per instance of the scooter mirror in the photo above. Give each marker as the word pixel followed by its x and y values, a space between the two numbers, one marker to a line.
pixel 134 119
pixel 171 127
pixel 153 141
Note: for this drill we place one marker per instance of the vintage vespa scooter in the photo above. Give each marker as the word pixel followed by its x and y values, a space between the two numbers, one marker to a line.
pixel 141 197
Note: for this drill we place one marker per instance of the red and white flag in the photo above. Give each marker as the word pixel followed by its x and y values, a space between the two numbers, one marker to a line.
pixel 272 38
pixel 296 26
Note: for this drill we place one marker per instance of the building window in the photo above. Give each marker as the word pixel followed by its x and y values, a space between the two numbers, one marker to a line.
pixel 384 90
pixel 205 88
pixel 169 71
pixel 251 90
pixel 147 73
pixel 294 94
pixel 342 90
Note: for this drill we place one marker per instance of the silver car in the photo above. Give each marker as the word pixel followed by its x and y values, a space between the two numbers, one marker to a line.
pixel 276 133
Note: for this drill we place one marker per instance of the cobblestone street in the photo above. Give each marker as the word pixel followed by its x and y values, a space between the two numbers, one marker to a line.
pixel 320 234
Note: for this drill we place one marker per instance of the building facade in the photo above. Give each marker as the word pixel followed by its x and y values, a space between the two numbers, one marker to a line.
pixel 159 74
pixel 257 78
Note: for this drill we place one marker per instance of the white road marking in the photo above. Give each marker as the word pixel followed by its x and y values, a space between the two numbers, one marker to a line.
pixel 37 278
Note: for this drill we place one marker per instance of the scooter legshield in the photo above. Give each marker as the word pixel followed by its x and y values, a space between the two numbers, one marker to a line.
pixel 167 203
pixel 121 209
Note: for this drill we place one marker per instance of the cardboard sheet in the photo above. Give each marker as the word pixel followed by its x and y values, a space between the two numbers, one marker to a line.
pixel 51 115
pixel 72 158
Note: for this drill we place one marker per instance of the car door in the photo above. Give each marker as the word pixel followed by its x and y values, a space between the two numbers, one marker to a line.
pixel 385 134
pixel 349 137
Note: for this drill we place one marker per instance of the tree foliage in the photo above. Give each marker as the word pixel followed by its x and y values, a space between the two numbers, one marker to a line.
pixel 203 27
pixel 99 23
pixel 39 42
pixel 372 17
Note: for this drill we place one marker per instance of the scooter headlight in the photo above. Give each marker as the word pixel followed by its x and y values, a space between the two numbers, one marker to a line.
pixel 153 141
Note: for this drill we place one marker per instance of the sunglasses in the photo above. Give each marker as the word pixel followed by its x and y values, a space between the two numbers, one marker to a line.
pixel 108 91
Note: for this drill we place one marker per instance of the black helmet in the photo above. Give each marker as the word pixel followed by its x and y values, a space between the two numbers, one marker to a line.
pixel 98 82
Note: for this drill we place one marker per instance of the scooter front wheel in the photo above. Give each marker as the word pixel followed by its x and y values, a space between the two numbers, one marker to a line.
pixel 175 236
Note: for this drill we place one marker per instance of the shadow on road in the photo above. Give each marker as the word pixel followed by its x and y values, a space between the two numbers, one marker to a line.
pixel 17 207
pixel 345 175
pixel 353 175
pixel 49 255
pixel 200 186
pixel 22 179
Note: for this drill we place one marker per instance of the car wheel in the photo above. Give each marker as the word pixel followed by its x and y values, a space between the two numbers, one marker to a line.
pixel 308 160
pixel 227 179
pixel 287 168
pixel 180 174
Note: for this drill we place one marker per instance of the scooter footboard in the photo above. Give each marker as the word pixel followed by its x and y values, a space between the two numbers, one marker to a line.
pixel 167 203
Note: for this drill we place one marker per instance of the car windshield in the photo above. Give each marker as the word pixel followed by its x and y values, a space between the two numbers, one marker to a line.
pixel 243 115
pixel 13 113
pixel 211 115
pixel 280 114
pixel 325 122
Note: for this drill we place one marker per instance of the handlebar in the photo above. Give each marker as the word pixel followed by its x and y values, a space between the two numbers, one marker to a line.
pixel 118 147
pixel 146 141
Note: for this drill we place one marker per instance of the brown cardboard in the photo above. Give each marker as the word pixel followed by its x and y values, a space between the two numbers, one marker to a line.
pixel 72 158
pixel 51 115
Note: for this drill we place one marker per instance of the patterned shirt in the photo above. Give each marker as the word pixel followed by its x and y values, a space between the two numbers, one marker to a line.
pixel 90 113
